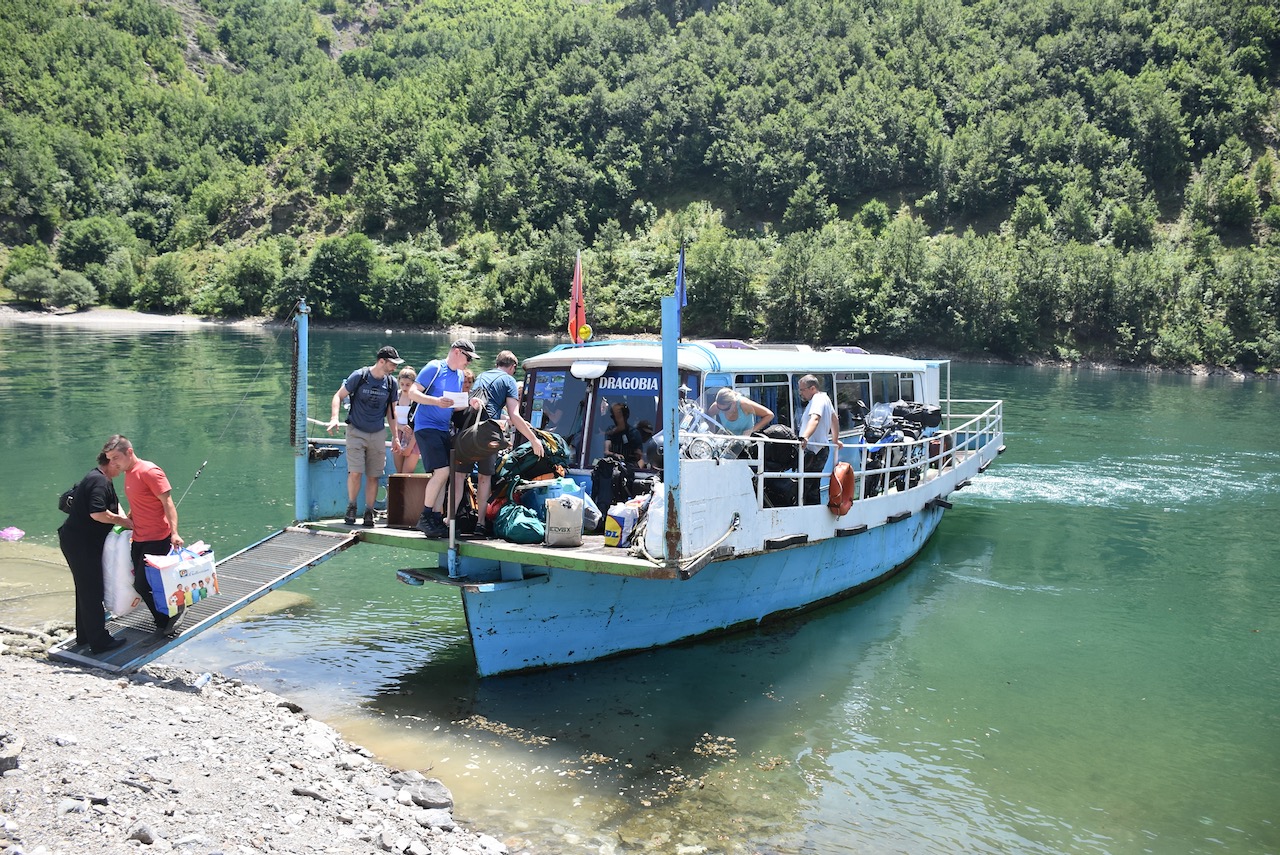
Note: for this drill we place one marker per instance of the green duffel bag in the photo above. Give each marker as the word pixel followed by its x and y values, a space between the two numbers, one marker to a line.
pixel 518 524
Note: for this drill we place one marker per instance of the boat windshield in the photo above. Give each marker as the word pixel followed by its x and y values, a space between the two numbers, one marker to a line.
pixel 617 413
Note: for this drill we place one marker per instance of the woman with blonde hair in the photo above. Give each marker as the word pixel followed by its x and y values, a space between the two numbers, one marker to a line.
pixel 739 414
pixel 406 459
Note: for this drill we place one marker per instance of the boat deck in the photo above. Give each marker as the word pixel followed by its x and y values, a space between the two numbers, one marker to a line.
pixel 592 556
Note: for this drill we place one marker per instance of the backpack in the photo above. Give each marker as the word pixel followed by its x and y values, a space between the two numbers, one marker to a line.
pixel 779 457
pixel 521 464
pixel 611 482
pixel 66 499
pixel 519 524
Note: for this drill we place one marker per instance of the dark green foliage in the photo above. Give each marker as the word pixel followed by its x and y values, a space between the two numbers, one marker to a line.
pixel 33 285
pixel 165 286
pixel 92 240
pixel 1015 176
pixel 73 290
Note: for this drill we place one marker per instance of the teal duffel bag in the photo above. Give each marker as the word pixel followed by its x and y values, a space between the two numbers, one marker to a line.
pixel 519 524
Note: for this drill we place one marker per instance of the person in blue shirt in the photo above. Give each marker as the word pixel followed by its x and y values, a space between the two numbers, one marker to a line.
pixel 500 397
pixel 431 425
pixel 373 393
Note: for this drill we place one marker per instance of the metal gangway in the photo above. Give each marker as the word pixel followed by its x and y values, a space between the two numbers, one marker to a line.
pixel 242 578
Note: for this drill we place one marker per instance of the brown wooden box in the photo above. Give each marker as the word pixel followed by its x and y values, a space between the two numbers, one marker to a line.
pixel 405 495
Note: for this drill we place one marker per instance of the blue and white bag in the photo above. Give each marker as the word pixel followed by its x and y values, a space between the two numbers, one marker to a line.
pixel 182 578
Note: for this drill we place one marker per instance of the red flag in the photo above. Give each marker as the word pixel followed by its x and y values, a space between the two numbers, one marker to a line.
pixel 577 306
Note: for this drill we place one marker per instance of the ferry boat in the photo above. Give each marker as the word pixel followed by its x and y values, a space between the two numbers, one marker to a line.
pixel 728 536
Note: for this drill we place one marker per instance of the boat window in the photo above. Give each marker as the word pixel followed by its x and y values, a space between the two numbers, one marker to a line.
pixel 825 384
pixel 625 413
pixel 889 387
pixel 558 403
pixel 851 387
pixel 771 390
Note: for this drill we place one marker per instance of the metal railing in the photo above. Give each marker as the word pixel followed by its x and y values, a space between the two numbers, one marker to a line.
pixel 901 465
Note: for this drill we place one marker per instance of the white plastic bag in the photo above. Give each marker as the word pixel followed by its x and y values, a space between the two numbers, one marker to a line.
pixel 591 515
pixel 117 574
pixel 564 521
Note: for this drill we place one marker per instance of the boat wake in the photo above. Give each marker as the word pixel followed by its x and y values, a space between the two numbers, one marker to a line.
pixel 1164 481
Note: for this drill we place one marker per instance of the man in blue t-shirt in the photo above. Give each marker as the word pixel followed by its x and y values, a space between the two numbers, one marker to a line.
pixel 496 389
pixel 373 392
pixel 431 426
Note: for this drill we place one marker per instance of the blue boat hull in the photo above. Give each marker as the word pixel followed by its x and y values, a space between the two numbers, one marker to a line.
pixel 567 616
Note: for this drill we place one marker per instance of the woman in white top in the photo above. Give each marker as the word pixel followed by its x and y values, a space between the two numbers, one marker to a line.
pixel 406 459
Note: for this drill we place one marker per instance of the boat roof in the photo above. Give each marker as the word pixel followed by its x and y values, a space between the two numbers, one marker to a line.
pixel 727 355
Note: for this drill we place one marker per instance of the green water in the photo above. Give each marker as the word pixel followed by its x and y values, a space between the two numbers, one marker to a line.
pixel 1086 658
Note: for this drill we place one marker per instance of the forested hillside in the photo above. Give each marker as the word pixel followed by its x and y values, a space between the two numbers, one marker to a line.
pixel 1018 177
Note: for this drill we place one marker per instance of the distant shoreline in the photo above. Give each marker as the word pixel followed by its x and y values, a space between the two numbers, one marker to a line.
pixel 100 317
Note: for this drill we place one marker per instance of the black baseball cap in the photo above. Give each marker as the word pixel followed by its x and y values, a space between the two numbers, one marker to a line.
pixel 391 353
pixel 465 345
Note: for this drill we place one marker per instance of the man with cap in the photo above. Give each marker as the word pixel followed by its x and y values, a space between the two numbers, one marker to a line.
pixel 431 425
pixel 373 392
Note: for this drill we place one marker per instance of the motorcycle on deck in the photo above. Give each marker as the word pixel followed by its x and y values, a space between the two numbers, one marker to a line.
pixel 886 460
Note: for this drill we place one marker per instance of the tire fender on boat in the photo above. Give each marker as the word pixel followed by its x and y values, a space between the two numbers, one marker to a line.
pixel 843 489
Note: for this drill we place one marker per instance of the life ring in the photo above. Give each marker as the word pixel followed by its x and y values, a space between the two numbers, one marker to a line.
pixel 843 489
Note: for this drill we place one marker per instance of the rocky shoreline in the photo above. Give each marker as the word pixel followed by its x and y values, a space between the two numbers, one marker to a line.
pixel 129 319
pixel 165 760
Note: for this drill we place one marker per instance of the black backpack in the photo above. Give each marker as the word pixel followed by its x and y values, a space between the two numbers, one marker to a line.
pixel 66 499
pixel 610 483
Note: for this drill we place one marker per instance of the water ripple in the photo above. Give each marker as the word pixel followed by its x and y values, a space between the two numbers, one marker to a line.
pixel 1166 481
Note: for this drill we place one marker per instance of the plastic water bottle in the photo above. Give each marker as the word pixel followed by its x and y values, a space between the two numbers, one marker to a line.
pixel 203 680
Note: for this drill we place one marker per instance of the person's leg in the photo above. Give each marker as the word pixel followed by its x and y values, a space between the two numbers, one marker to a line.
pixel 139 550
pixel 91 618
pixel 375 463
pixel 434 446
pixel 484 483
pixel 357 454
pixel 485 470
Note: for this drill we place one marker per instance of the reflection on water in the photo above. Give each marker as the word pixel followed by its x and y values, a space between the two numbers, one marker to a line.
pixel 1083 659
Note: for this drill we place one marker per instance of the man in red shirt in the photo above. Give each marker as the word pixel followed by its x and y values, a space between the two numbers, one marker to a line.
pixel 155 520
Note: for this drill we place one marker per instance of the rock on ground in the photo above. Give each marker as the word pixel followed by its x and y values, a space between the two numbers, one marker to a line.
pixel 149 763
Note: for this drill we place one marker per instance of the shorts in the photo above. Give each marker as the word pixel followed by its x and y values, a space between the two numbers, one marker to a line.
pixel 408 442
pixel 435 446
pixel 366 452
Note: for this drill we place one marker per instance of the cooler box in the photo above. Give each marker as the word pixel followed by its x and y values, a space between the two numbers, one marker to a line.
pixel 405 494
pixel 535 498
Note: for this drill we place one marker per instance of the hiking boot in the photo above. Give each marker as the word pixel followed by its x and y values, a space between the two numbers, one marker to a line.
pixel 350 518
pixel 368 518
pixel 433 526
pixel 481 533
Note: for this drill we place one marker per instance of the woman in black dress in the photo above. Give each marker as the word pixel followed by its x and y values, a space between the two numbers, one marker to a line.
pixel 95 508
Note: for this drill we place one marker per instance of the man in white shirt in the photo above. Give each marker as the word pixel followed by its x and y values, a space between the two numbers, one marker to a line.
pixel 819 415
pixel 818 422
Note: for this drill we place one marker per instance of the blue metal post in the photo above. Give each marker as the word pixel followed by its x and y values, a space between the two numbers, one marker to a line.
pixel 301 470
pixel 671 425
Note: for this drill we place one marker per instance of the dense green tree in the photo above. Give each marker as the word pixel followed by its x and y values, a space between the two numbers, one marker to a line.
pixel 1076 177
pixel 72 290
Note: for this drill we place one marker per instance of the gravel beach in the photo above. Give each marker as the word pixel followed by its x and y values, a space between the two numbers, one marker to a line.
pixel 165 760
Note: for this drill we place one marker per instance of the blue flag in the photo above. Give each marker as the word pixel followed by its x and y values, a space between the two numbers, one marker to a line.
pixel 682 299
